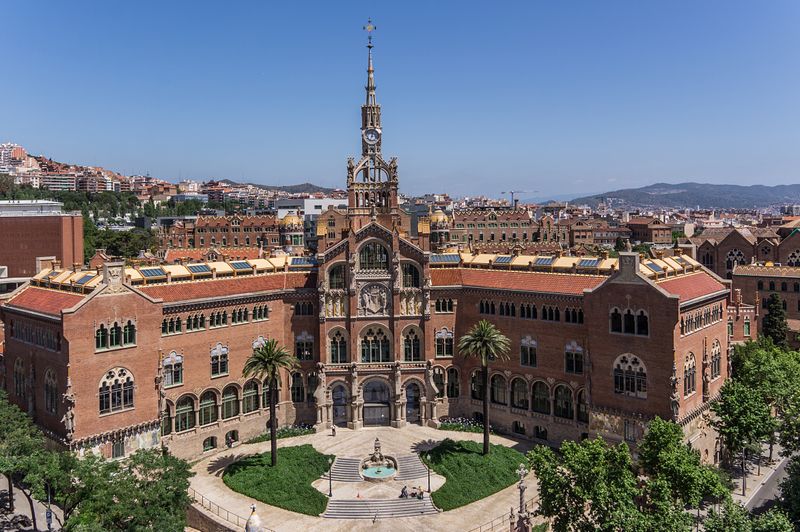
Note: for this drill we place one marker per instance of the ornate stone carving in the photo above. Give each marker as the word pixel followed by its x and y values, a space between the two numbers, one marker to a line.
pixel 69 416
pixel 373 300
pixel 674 398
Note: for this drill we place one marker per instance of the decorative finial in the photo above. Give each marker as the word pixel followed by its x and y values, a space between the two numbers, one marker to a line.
pixel 369 28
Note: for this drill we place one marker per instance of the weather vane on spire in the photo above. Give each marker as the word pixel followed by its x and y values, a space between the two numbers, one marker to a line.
pixel 369 28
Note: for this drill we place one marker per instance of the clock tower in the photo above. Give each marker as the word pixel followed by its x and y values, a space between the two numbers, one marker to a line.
pixel 372 182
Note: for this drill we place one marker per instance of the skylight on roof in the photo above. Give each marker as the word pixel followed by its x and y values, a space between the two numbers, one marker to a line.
pixel 655 267
pixel 503 259
pixel 199 268
pixel 85 279
pixel 241 265
pixel 445 258
pixel 302 261
pixel 153 272
pixel 588 263
pixel 544 261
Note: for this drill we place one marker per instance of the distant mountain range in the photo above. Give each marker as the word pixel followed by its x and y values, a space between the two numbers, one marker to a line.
pixel 702 195
pixel 302 188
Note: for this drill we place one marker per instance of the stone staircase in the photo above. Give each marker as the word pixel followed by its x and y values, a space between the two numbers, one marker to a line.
pixel 378 508
pixel 410 467
pixel 346 469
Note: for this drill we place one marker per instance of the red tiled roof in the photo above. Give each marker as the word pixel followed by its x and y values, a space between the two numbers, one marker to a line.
pixel 229 286
pixel 554 283
pixel 199 254
pixel 44 301
pixel 692 286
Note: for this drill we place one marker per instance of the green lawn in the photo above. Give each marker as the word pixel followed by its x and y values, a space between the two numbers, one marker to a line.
pixel 470 475
pixel 287 485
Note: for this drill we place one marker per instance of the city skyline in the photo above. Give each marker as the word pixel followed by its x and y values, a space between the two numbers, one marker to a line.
pixel 595 104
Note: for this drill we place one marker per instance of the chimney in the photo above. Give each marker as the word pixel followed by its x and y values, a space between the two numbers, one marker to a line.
pixel 737 297
pixel 629 265
pixel 76 266
pixel 56 264
pixel 213 273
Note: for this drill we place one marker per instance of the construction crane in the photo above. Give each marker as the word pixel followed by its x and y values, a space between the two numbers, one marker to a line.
pixel 513 195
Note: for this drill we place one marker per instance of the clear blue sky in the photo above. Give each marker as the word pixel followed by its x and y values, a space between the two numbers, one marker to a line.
pixel 478 97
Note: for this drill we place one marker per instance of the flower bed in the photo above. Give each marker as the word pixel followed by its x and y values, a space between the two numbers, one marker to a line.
pixel 462 424
pixel 284 432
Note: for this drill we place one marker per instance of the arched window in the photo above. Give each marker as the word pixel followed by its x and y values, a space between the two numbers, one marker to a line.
pixel 476 385
pixel 185 418
pixel 438 380
pixel 116 391
pixel 573 358
pixel 583 407
pixel 642 326
pixel 498 390
pixel 519 394
pixel 444 343
pixel 375 346
pixel 219 360
pixel 50 392
pixel 208 408
pixel 630 376
pixel 313 382
pixel 541 398
pixel 716 359
pixel 373 256
pixel 527 352
pixel 230 402
pixel 298 389
pixel 101 337
pixel 689 369
pixel 19 379
pixel 794 258
pixel 734 257
pixel 616 321
pixel 411 347
pixel 336 277
pixel 410 276
pixel 250 397
pixel 173 369
pixel 563 399
pixel 629 323
pixel 338 348
pixel 453 388
pixel 166 422
pixel 129 333
pixel 209 443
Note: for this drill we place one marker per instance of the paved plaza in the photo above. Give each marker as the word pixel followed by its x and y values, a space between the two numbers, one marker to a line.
pixel 358 444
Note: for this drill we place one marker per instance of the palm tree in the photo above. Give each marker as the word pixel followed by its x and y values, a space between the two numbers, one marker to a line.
pixel 486 342
pixel 266 362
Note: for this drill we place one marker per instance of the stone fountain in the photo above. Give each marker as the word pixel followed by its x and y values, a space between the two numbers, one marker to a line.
pixel 377 467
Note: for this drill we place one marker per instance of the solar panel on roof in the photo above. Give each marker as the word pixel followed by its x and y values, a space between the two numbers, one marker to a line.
pixel 241 265
pixel 153 272
pixel 445 258
pixel 503 259
pixel 544 261
pixel 85 279
pixel 588 263
pixel 302 261
pixel 655 267
pixel 199 268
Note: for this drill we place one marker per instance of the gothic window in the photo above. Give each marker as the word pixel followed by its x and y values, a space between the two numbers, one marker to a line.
pixel 772 286
pixel 760 285
pixel 794 258
pixel 563 402
pixel 689 369
pixel 476 385
pixel 373 256
pixel 411 347
pixel 629 322
pixel 338 348
pixel 583 407
pixel 116 391
pixel 734 257
pixel 208 408
pixel 410 276
pixel 444 343
pixel 185 417
pixel 498 390
pixel 298 389
pixel 115 337
pixel 630 376
pixel 173 369
pixel 129 333
pixel 453 388
pixel 19 379
pixel 166 422
pixel 230 402
pixel 519 393
pixel 716 359
pixel 101 337
pixel 50 392
pixel 260 312
pixel 303 308
pixel 219 360
pixel 730 329
pixel 304 346
pixel 616 320
pixel 527 352
pixel 541 398
pixel 250 397
pixel 336 277
pixel 642 326
pixel 746 327
pixel 573 359
pixel 438 380
pixel 375 346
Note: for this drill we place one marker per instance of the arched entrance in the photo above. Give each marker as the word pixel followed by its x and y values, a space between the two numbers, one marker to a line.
pixel 339 397
pixel 377 410
pixel 412 402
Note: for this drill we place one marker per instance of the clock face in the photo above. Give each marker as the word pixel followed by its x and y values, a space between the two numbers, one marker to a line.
pixel 371 136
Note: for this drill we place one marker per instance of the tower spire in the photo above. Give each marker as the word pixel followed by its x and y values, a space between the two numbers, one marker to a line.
pixel 371 100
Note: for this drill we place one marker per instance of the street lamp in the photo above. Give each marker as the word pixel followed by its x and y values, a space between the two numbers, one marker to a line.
pixel 330 477
pixel 428 458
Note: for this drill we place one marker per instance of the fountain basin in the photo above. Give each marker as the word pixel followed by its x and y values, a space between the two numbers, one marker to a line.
pixel 378 473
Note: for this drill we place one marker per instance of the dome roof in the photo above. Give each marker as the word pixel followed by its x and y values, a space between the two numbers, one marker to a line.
pixel 438 216
pixel 291 219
